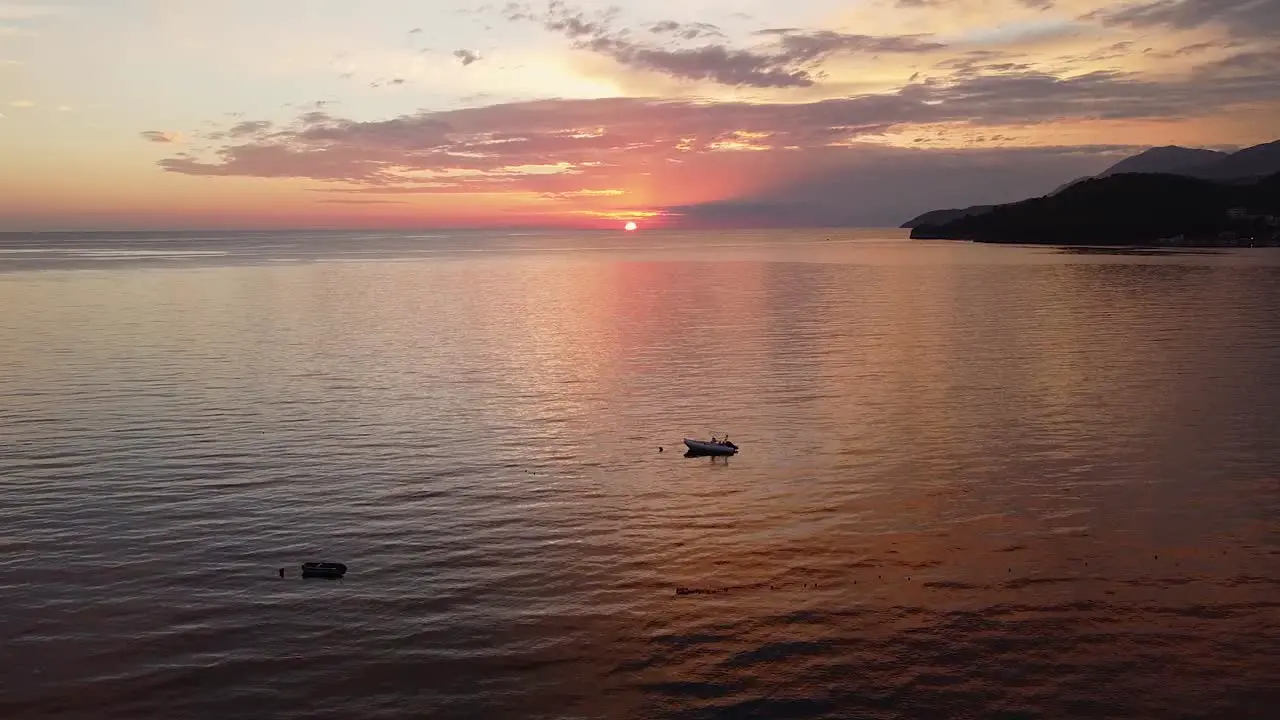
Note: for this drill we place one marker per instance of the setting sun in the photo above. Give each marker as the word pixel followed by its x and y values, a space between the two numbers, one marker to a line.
pixel 631 227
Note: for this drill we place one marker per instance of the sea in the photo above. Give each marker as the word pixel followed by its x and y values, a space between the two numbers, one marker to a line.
pixel 974 481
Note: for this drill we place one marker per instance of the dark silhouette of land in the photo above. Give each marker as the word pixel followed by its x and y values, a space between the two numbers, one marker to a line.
pixel 1131 209
pixel 938 217
pixel 1166 196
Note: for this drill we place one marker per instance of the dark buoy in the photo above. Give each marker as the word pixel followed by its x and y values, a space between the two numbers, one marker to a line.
pixel 331 570
pixel 660 448
pixel 281 572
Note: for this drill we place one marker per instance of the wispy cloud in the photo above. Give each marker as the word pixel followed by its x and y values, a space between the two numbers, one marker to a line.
pixel 22 103
pixel 466 150
pixel 161 136
pixel 11 12
pixel 26 11
pixel 1244 17
pixel 787 59
pixel 249 127
pixel 577 194
pixel 466 57
pixel 347 201
pixel 686 31
pixel 1033 4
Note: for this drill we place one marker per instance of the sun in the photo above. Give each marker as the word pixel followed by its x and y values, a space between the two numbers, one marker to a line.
pixel 631 227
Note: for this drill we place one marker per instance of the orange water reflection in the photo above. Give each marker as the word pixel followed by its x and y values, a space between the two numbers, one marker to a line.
pixel 973 481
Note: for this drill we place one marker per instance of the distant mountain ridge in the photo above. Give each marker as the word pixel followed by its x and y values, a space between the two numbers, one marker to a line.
pixel 1251 163
pixel 938 217
pixel 1132 209
pixel 1168 159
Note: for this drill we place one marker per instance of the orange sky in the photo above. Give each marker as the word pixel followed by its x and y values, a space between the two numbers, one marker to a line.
pixel 150 114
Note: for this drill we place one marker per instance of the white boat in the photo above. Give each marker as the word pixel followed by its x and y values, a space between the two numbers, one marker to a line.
pixel 720 447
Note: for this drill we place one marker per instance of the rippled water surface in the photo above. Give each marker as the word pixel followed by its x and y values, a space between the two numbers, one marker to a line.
pixel 974 482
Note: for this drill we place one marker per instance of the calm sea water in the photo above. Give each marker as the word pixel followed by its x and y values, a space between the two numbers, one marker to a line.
pixel 974 482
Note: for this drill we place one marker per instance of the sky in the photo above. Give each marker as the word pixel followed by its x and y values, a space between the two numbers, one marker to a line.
pixel 194 114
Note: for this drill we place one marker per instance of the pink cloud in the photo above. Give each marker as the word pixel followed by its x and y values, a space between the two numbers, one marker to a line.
pixel 692 156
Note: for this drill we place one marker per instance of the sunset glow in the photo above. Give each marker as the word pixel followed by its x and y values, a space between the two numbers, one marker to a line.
pixel 631 227
pixel 563 114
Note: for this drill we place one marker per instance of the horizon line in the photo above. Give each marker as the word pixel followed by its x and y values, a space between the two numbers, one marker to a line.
pixel 401 230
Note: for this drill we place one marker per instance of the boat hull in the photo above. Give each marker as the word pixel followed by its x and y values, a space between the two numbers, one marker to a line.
pixel 706 448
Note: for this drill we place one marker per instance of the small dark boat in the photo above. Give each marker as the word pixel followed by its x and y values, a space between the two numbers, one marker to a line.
pixel 323 570
pixel 713 448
